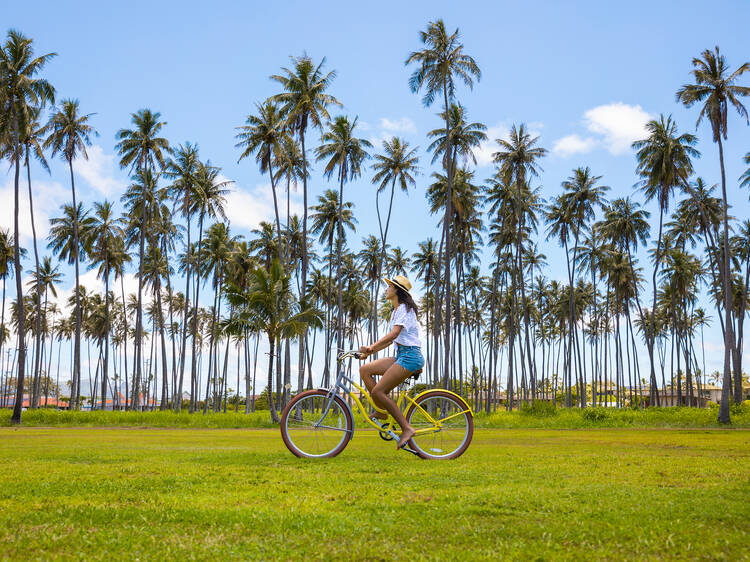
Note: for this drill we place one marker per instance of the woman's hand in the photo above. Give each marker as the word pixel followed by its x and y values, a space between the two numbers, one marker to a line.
pixel 365 350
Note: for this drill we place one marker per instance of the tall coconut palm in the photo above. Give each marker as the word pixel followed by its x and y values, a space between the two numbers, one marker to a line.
pixel 518 162
pixel 104 247
pixel 343 154
pixel 440 64
pixel 210 202
pixel 22 90
pixel 140 200
pixel 141 150
pixel 269 305
pixel 32 138
pixel 290 166
pixel 716 89
pixel 66 237
pixel 7 245
pixel 664 163
pixel 182 169
pixel 43 281
pixel 262 135
pixel 625 225
pixel 582 197
pixel 329 218
pixel 398 163
pixel 305 101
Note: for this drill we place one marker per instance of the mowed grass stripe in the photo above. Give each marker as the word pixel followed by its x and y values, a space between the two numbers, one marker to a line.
pixel 111 493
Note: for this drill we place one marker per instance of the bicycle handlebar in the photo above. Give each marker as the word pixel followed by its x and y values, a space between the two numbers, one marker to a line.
pixel 347 354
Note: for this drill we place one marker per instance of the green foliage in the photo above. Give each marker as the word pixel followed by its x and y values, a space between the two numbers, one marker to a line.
pixel 539 409
pixel 595 414
pixel 542 415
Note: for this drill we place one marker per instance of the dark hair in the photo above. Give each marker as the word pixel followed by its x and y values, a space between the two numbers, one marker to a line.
pixel 405 298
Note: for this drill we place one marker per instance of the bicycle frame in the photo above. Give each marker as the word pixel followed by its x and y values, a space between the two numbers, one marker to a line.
pixel 401 404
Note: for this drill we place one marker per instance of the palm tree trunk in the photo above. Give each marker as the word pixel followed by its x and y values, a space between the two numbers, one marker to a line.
pixel 75 396
pixel 183 346
pixel 105 371
pixel 34 402
pixel 339 288
pixel 727 282
pixel 193 387
pixel 21 327
pixel 303 287
pixel 447 226
pixel 125 338
pixel 271 405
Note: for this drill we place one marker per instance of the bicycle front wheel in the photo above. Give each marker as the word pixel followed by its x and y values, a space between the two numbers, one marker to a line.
pixel 449 422
pixel 308 433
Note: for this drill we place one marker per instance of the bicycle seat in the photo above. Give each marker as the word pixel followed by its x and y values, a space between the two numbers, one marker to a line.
pixel 416 374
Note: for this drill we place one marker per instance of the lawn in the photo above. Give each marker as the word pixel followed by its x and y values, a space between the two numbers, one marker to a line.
pixel 238 493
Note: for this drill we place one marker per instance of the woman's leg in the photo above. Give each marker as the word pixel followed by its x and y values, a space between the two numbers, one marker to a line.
pixel 393 377
pixel 374 368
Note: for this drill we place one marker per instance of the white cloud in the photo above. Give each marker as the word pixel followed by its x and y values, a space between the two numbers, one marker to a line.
pixel 615 126
pixel 99 171
pixel 48 197
pixel 402 125
pixel 618 123
pixel 247 208
pixel 573 144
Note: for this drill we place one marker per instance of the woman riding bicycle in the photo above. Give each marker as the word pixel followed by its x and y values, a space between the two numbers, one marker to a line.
pixel 404 331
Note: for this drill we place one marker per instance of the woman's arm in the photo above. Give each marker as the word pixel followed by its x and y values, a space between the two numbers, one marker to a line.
pixel 383 342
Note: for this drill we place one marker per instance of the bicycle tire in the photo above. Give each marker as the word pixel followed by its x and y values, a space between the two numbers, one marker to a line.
pixel 467 416
pixel 296 448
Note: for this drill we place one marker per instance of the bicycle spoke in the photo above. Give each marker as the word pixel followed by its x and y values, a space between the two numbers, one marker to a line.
pixel 311 433
pixel 450 431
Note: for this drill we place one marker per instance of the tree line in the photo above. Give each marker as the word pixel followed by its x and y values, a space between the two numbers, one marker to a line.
pixel 297 285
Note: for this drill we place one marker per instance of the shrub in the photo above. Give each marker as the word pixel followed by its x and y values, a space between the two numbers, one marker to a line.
pixel 595 414
pixel 539 409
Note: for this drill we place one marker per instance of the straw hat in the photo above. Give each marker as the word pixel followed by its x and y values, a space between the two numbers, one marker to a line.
pixel 399 281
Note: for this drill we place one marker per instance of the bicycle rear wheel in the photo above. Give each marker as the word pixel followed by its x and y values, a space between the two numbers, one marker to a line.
pixel 449 417
pixel 307 434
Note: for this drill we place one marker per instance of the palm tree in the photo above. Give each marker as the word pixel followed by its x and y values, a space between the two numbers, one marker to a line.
pixel 398 163
pixel 269 305
pixel 371 257
pixel 305 102
pixel 66 237
pixel 6 268
pixel 343 154
pixel 715 87
pixel 43 281
pixel 141 150
pixel 581 198
pixel 104 247
pixel 210 202
pixel 262 135
pixel 32 139
pixel 329 218
pixel 22 91
pixel 664 162
pixel 290 165
pixel 624 225
pixel 182 169
pixel 439 65
pixel 517 162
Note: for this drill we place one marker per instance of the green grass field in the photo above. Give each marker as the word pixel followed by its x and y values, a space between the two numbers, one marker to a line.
pixel 238 493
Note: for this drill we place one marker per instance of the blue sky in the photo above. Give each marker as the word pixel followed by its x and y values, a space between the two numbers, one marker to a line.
pixel 584 75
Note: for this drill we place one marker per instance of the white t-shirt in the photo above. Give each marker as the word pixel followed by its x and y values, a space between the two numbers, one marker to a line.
pixel 405 317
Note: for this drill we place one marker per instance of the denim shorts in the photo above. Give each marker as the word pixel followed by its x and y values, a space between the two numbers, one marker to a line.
pixel 410 358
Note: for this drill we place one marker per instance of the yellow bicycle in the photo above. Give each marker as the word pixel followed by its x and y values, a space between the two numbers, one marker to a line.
pixel 319 423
